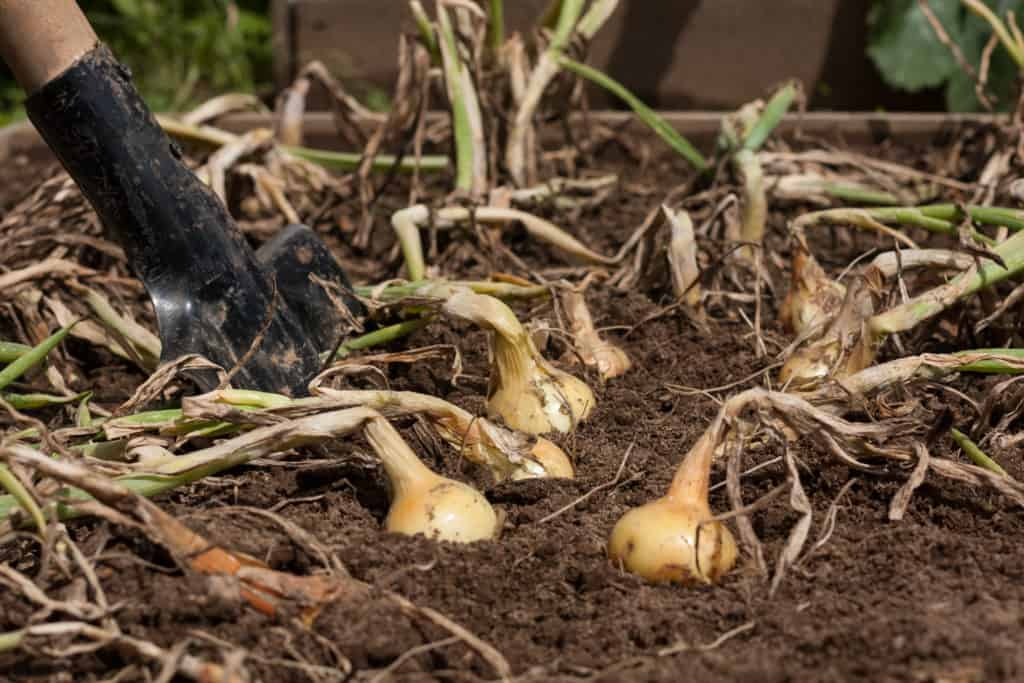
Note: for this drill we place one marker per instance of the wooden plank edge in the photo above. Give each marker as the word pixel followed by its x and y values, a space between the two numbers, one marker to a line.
pixel 700 126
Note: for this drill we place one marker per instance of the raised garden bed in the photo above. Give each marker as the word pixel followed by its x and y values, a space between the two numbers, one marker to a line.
pixel 935 596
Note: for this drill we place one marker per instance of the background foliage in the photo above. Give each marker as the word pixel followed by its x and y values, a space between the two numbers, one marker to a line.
pixel 183 51
pixel 904 47
pixel 180 51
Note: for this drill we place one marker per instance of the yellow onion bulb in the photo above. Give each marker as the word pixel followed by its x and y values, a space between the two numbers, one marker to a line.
pixel 423 502
pixel 659 542
pixel 532 396
pixel 675 538
pixel 443 509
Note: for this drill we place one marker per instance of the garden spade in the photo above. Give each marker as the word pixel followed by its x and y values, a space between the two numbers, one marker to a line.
pixel 256 314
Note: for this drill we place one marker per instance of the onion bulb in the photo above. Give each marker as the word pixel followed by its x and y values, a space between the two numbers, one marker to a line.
pixel 659 540
pixel 424 502
pixel 814 298
pixel 525 390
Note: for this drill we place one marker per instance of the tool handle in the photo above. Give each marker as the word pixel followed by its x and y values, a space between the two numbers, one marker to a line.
pixel 39 39
pixel 209 292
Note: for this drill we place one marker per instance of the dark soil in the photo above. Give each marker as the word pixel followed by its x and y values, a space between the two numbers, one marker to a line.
pixel 938 596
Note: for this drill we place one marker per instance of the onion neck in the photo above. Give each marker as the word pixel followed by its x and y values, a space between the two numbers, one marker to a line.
pixel 692 480
pixel 405 471
pixel 513 361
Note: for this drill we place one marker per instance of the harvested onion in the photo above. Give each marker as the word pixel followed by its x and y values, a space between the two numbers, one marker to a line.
pixel 659 540
pixel 424 502
pixel 525 390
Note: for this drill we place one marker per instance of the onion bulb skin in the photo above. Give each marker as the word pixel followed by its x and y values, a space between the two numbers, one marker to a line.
pixel 658 541
pixel 423 502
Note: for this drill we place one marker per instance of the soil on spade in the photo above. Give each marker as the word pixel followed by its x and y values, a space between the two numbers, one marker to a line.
pixel 938 596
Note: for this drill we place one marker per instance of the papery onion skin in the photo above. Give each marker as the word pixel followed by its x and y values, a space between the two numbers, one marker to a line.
pixel 530 395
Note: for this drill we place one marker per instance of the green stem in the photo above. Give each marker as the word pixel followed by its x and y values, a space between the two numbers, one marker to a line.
pixel 11 351
pixel 426 30
pixel 496 26
pixel 773 112
pixel 993 366
pixel 464 152
pixel 665 131
pixel 986 274
pixel 976 455
pixel 339 161
pixel 349 161
pixel 12 639
pixel 989 215
pixel 902 215
pixel 860 195
pixel 33 357
pixel 567 18
pixel 34 401
pixel 22 497
pixel 381 336
pixel 999 28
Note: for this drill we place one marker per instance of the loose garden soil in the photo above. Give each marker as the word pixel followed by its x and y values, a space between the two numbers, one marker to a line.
pixel 938 596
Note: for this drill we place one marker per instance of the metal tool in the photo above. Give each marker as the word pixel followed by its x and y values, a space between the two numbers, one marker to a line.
pixel 213 295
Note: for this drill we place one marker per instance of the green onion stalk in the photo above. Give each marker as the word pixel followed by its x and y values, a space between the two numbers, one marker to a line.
pixel 496 27
pixel 929 304
pixel 548 65
pixel 32 357
pixel 975 454
pixel 662 128
pixel 426 30
pixel 744 136
pixel 186 469
pixel 1012 41
pixel 817 187
pixel 467 122
pixel 812 364
pixel 11 351
pixel 938 218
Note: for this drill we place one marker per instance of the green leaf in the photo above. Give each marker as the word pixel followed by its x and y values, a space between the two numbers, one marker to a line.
pixel 904 47
pixel 1002 75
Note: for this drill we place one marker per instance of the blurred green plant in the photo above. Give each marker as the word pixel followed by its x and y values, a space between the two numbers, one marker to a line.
pixel 180 51
pixel 905 47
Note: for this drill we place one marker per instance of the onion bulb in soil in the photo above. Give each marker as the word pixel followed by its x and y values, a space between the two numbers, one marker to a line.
pixel 814 298
pixel 424 502
pixel 525 390
pixel 659 541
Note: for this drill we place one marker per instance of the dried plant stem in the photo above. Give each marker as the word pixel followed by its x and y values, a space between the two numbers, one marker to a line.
pixel 408 221
pixel 339 161
pixel 178 471
pixel 682 257
pixel 543 73
pixel 926 366
pixel 33 357
pixel 940 218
